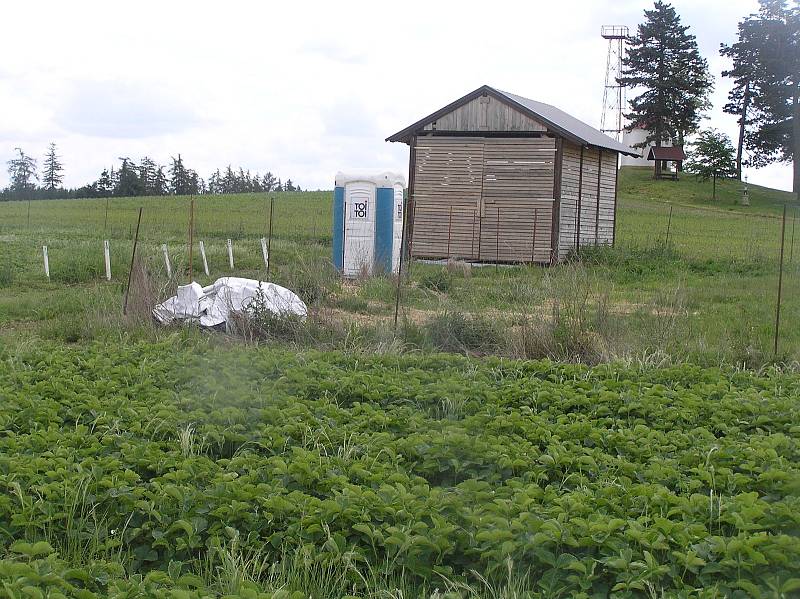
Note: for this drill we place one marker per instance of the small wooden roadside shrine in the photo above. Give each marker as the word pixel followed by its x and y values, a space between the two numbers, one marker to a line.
pixel 497 177
pixel 663 155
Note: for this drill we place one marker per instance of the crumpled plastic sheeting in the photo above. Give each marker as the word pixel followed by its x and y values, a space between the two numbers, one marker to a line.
pixel 211 306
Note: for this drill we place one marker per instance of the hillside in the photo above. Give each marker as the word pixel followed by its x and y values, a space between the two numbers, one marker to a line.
pixel 636 183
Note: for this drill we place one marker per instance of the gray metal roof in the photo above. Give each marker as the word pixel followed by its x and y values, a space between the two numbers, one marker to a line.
pixel 554 118
pixel 569 124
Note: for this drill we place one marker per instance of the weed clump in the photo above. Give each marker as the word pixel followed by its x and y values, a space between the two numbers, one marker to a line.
pixel 314 281
pixel 454 331
pixel 439 280
pixel 7 275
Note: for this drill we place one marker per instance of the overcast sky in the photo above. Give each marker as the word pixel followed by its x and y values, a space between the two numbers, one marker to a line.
pixel 302 89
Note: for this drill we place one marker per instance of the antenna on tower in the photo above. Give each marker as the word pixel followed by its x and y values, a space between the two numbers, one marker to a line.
pixel 613 92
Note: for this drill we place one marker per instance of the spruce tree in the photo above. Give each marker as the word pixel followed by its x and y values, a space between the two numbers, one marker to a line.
pixel 104 186
pixel 52 176
pixel 160 184
pixel 268 182
pixel 179 183
pixel 663 60
pixel 773 133
pixel 128 183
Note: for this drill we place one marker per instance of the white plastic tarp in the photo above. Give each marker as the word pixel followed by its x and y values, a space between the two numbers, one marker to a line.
pixel 212 305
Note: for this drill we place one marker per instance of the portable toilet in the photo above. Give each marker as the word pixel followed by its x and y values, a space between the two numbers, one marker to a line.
pixel 364 223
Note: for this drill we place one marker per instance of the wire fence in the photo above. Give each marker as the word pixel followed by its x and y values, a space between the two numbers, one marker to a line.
pixel 226 234
pixel 746 265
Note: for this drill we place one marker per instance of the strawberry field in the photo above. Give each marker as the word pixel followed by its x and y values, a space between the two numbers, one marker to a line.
pixel 180 468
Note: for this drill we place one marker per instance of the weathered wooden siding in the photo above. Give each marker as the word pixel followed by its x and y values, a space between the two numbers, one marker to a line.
pixel 485 114
pixel 483 199
pixel 608 198
pixel 588 182
pixel 571 181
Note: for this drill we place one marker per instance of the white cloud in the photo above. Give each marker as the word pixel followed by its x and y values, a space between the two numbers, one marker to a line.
pixel 303 88
pixel 120 110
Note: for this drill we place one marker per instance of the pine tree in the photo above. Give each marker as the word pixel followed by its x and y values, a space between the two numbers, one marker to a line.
pixel 289 186
pixel 664 60
pixel 278 186
pixel 712 157
pixel 52 177
pixel 22 171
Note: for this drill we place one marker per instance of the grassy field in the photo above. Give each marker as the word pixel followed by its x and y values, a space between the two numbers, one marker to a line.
pixel 341 458
pixel 700 284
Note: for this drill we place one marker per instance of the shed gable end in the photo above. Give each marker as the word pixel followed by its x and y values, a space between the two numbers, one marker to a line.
pixel 485 113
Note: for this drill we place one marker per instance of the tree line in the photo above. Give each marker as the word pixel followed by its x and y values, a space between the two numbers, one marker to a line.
pixel 663 62
pixel 129 178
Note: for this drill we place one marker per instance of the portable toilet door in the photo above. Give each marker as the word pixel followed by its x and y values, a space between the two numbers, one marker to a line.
pixel 359 228
pixel 397 229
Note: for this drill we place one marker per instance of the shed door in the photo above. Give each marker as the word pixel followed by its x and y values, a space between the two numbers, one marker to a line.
pixel 447 197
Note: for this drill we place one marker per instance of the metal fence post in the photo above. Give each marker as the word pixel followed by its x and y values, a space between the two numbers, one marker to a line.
pixel 497 243
pixel 133 255
pixel 269 235
pixel 449 230
pixel 780 286
pixel 669 225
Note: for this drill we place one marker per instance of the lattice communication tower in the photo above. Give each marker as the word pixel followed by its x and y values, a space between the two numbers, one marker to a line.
pixel 613 92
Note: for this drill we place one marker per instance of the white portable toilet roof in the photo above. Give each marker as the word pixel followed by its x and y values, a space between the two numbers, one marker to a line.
pixel 379 178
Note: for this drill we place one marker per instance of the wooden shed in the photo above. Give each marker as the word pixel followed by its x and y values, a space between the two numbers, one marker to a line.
pixel 498 177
